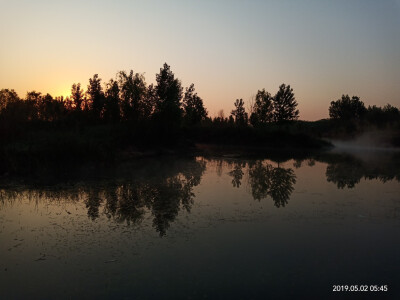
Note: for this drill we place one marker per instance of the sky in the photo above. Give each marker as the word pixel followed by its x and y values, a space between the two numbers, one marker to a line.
pixel 228 49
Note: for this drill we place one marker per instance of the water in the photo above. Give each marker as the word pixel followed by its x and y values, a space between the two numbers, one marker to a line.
pixel 212 228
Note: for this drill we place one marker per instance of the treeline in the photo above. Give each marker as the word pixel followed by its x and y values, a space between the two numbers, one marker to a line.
pixel 129 99
pixel 264 109
pixel 127 113
pixel 167 107
pixel 353 109
pixel 125 99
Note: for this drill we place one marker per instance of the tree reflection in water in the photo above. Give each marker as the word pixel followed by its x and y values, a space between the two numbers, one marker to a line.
pixel 347 171
pixel 237 173
pixel 161 188
pixel 344 175
pixel 125 203
pixel 93 202
pixel 164 195
pixel 265 180
pixel 275 182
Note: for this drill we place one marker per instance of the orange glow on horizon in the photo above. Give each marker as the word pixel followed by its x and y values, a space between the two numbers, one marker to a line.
pixel 62 91
pixel 65 94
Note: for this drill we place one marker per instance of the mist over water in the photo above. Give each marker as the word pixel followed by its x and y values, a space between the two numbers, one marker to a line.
pixel 369 141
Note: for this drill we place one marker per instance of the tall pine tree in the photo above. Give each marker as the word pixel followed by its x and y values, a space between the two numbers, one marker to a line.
pixel 285 104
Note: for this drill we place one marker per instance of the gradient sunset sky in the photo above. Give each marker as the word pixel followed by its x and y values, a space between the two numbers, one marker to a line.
pixel 228 49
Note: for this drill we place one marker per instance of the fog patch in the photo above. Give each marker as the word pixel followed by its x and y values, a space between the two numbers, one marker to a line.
pixel 374 140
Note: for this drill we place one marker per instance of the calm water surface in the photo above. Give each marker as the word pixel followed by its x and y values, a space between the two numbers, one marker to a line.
pixel 212 228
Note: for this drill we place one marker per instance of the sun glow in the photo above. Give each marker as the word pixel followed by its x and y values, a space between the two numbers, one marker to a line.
pixel 64 92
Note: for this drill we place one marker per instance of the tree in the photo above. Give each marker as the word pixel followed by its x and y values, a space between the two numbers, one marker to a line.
pixel 147 106
pixel 6 97
pixel 381 116
pixel 391 112
pixel 133 93
pixel 239 114
pixel 77 96
pixel 194 111
pixel 49 109
pixel 12 111
pixel 347 109
pixel 111 105
pixel 263 109
pixel 285 104
pixel 169 94
pixel 33 96
pixel 95 95
pixel 31 105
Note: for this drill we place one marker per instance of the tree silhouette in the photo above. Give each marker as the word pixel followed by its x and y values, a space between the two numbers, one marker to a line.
pixel 391 112
pixel 263 109
pixel 111 105
pixel 133 93
pixel 32 103
pixel 381 116
pixel 239 114
pixel 33 96
pixel 95 96
pixel 14 112
pixel 169 94
pixel 285 104
pixel 6 97
pixel 150 103
pixel 347 109
pixel 50 109
pixel 77 96
pixel 194 111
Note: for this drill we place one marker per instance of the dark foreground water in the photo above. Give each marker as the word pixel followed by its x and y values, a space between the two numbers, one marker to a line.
pixel 212 228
